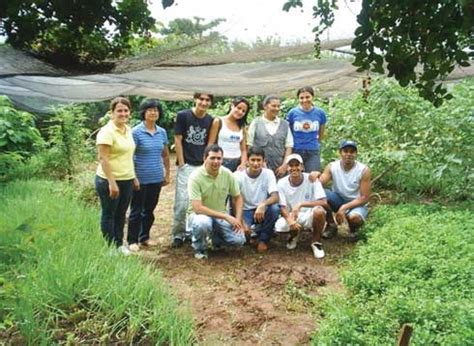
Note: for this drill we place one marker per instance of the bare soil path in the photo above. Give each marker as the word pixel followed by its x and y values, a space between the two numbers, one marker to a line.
pixel 240 297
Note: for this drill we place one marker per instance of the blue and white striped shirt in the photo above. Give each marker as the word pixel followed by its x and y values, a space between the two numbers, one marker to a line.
pixel 147 158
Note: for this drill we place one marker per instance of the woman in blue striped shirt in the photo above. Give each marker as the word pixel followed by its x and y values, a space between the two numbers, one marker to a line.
pixel 152 167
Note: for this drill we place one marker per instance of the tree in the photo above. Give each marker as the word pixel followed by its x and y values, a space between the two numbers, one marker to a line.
pixel 76 32
pixel 418 42
pixel 192 29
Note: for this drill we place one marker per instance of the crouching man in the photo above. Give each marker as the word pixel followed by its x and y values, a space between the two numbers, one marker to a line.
pixel 302 206
pixel 260 193
pixel 208 188
pixel 351 185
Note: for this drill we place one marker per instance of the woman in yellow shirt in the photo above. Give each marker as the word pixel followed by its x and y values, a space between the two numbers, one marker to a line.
pixel 115 177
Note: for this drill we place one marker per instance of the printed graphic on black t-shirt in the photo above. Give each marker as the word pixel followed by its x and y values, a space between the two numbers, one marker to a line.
pixel 195 132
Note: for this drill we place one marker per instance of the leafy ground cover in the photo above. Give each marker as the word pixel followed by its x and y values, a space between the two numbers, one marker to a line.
pixel 60 283
pixel 416 268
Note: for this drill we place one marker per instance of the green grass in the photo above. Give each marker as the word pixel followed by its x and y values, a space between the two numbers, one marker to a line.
pixel 60 282
pixel 417 268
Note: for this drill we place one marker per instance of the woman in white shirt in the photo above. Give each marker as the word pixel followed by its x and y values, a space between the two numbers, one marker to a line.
pixel 229 133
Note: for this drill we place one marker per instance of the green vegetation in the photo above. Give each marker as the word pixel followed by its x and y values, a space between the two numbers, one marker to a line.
pixel 403 36
pixel 416 268
pixel 60 283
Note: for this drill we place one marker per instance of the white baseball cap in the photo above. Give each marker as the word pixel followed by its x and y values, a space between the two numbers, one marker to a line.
pixel 296 157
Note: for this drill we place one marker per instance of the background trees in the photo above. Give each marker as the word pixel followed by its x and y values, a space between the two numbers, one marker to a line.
pixel 416 41
pixel 74 33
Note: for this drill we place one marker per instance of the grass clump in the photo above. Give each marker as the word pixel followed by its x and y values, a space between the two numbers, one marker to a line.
pixel 60 282
pixel 416 268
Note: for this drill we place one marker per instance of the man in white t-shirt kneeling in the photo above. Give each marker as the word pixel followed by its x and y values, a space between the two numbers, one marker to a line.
pixel 259 189
pixel 302 206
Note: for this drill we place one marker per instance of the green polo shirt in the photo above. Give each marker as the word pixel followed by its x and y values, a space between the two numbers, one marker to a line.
pixel 212 191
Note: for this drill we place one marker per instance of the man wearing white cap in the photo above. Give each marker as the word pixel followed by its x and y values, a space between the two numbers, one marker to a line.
pixel 351 185
pixel 301 205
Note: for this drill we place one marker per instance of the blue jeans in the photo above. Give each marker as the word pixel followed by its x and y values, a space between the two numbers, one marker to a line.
pixel 141 218
pixel 220 231
pixel 265 229
pixel 336 201
pixel 181 202
pixel 231 164
pixel 311 159
pixel 112 219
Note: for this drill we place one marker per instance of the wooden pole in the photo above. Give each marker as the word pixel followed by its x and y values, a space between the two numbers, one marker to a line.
pixel 404 335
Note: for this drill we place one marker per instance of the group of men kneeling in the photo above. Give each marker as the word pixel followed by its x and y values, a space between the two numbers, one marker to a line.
pixel 260 206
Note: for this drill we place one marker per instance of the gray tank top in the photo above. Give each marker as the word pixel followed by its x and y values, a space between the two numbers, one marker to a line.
pixel 347 183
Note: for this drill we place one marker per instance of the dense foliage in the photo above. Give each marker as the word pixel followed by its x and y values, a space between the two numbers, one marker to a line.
pixel 74 32
pixel 59 283
pixel 417 42
pixel 416 268
pixel 423 149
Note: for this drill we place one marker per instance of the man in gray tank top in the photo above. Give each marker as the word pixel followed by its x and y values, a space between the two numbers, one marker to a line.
pixel 349 196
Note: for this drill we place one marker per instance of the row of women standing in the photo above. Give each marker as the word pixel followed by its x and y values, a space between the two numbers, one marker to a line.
pixel 131 162
pixel 133 166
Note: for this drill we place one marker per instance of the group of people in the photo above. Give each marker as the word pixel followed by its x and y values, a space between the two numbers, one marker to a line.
pixel 227 191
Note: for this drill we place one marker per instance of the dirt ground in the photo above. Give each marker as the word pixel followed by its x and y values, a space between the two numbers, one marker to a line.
pixel 240 297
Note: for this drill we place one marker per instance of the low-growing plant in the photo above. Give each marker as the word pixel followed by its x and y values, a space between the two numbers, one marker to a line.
pixel 417 269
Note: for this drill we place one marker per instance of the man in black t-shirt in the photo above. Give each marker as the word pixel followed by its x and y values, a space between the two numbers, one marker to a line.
pixel 191 138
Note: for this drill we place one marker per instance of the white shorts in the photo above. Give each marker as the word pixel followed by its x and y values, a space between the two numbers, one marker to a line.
pixel 305 219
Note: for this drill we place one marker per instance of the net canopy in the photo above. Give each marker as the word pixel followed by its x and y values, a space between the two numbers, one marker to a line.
pixel 36 86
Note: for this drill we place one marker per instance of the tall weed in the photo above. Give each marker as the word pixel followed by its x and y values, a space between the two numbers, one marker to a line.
pixel 67 284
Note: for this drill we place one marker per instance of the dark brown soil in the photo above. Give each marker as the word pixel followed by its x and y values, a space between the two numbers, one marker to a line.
pixel 240 297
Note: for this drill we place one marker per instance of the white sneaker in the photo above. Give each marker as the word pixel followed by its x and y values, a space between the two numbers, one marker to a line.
pixel 124 250
pixel 200 255
pixel 318 250
pixel 293 241
pixel 134 247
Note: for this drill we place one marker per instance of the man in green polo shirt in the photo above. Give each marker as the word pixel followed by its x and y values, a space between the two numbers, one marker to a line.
pixel 208 188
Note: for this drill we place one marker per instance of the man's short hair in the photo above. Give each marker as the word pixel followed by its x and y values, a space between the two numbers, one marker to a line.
pixel 198 95
pixel 214 148
pixel 256 151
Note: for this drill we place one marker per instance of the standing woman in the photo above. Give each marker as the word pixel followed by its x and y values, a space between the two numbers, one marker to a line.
pixel 151 156
pixel 307 124
pixel 115 174
pixel 273 135
pixel 230 134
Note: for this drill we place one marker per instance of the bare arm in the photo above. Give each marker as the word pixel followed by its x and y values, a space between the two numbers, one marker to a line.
pixel 178 145
pixel 243 151
pixel 199 208
pixel 260 211
pixel 165 154
pixel 326 177
pixel 214 132
pixel 104 159
pixel 321 132
pixel 290 219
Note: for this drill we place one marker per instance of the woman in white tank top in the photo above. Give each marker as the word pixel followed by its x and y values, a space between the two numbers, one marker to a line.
pixel 229 133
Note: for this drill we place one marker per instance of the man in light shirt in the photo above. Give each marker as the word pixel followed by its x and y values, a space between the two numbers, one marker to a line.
pixel 260 193
pixel 351 185
pixel 302 206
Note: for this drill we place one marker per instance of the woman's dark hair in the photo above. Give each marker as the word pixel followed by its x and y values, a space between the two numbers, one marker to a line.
pixel 150 103
pixel 120 100
pixel 306 89
pixel 242 121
